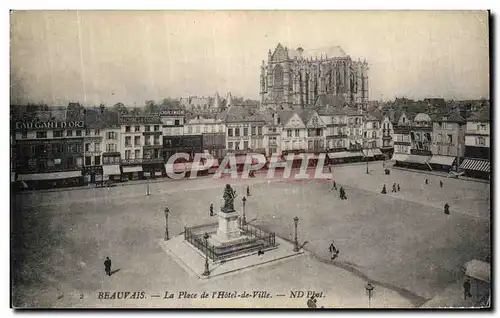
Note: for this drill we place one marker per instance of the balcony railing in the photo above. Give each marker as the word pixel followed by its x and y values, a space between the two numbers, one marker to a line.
pixel 137 161
pixel 338 136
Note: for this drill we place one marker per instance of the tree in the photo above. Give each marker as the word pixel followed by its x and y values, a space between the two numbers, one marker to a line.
pixel 151 107
pixel 120 108
pixel 170 103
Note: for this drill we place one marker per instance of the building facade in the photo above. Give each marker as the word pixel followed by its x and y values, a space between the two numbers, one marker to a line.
pixel 448 141
pixel 298 77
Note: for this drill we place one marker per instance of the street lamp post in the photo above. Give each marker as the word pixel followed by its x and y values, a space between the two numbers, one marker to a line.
pixel 167 211
pixel 367 171
pixel 369 290
pixel 244 220
pixel 296 242
pixel 207 270
pixel 147 187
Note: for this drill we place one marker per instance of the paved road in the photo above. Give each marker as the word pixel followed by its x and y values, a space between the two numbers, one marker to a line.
pixel 402 240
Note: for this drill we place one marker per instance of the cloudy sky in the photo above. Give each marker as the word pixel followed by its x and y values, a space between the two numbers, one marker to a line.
pixel 128 56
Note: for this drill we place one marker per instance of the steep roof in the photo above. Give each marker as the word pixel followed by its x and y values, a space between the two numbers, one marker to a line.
pixel 330 100
pixel 330 52
pixel 481 115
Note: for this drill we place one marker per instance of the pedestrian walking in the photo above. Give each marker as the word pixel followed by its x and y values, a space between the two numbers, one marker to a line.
pixel 394 187
pixel 333 251
pixel 342 193
pixel 107 266
pixel 446 208
pixel 334 185
pixel 467 292
pixel 426 181
pixel 211 209
pixel 399 189
pixel 248 191
pixel 440 183
pixel 384 190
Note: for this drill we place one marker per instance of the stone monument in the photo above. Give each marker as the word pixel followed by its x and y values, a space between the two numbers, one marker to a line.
pixel 228 229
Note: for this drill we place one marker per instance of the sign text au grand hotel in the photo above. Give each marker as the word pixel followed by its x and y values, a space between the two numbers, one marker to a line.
pixel 39 125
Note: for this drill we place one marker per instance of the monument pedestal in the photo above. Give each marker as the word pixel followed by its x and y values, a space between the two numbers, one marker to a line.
pixel 228 226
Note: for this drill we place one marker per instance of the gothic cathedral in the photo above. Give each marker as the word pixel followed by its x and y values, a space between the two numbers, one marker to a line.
pixel 298 77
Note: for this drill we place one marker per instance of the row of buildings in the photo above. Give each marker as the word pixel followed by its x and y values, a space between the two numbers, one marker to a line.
pixel 79 144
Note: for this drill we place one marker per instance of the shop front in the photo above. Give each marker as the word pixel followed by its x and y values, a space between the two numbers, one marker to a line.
pixel 132 173
pixel 92 174
pixel 50 180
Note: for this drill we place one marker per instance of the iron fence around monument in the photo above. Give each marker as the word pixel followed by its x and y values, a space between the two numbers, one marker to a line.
pixel 251 230
pixel 197 241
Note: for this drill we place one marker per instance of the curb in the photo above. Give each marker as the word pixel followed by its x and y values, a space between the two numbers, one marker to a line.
pixel 441 174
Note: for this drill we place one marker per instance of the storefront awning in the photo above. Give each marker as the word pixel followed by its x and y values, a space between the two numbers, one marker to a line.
pixel 337 155
pixel 132 169
pixel 476 165
pixel 111 170
pixel 478 269
pixel 368 153
pixel 355 154
pixel 49 176
pixel 442 160
pixel 410 158
pixel 175 168
pixel 377 152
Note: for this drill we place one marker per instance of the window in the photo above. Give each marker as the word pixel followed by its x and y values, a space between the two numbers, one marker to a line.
pixel 41 134
pixel 97 146
pixel 211 128
pixel 79 148
pixel 177 122
pixel 69 133
pixel 480 141
pixel 230 132
pixel 111 147
pixel 190 129
pixel 88 160
pixel 297 132
pixel 97 132
pixel 197 129
pixel 147 128
pixel 259 130
pixel 237 145
pixel 87 147
pixel 230 145
pixel 147 141
pixel 374 134
pixel 24 134
pixel 156 127
pixel 254 130
pixel 71 147
pixel 128 153
pixel 78 132
pixel 137 154
pixel 137 140
pixel 97 160
pixel 111 135
pixel 289 133
pixel 364 134
pixel 87 133
pixel 57 133
pixel 404 120
pixel 137 128
pixel 245 131
pixel 245 145
pixel 205 129
pixel 128 141
pixel 157 140
pixel 127 128
pixel 237 132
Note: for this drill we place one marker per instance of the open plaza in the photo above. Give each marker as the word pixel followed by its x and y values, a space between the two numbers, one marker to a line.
pixel 402 243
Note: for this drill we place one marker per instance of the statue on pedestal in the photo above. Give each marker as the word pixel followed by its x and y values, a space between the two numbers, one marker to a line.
pixel 229 196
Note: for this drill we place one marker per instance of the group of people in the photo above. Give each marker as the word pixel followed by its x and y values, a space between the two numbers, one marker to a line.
pixel 341 191
pixel 446 205
pixel 394 188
